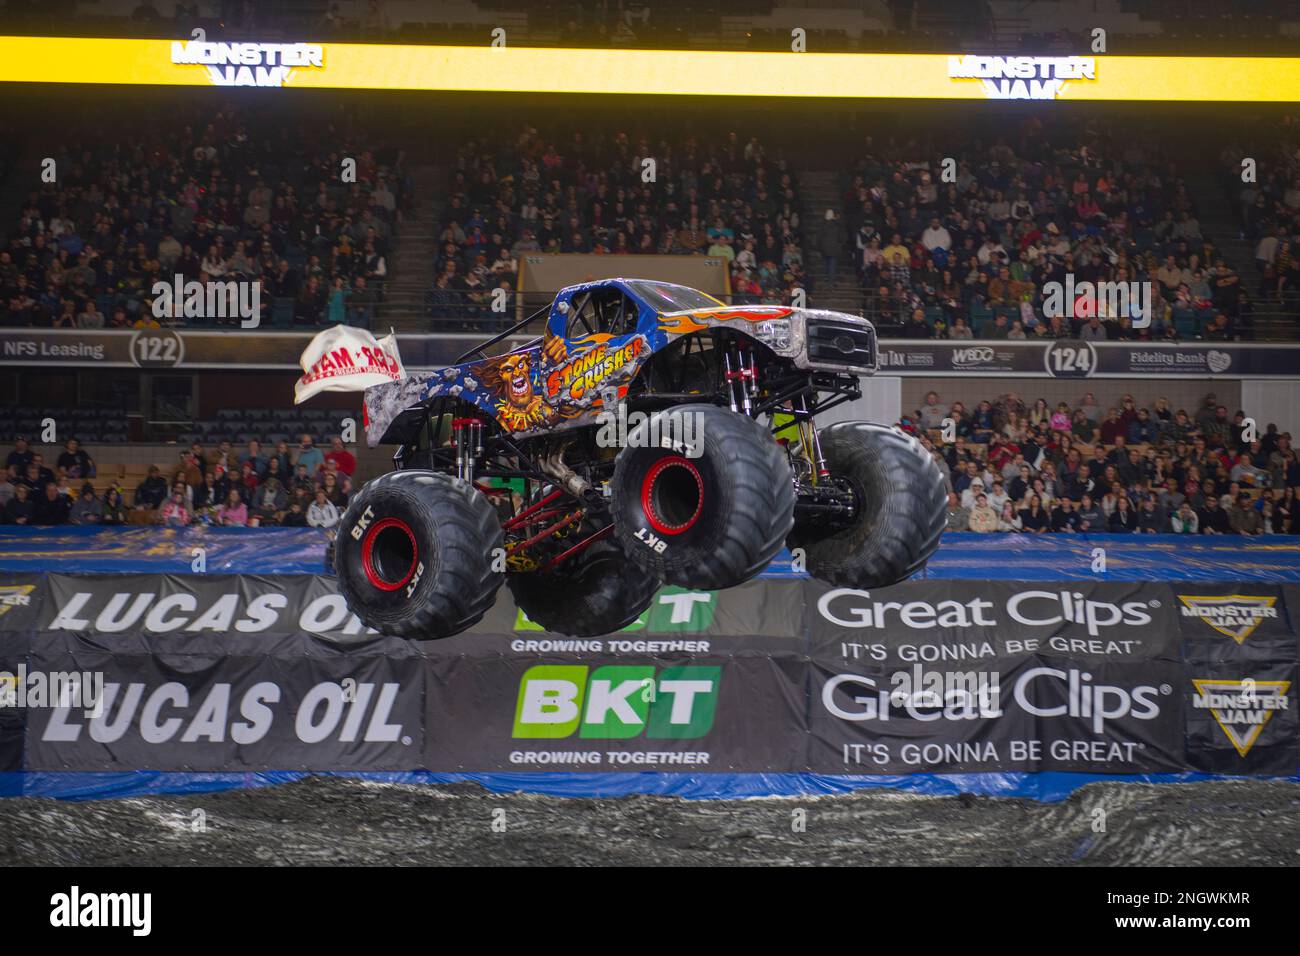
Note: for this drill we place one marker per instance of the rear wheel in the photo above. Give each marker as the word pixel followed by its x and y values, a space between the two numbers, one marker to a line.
pixel 708 503
pixel 901 508
pixel 414 555
pixel 600 592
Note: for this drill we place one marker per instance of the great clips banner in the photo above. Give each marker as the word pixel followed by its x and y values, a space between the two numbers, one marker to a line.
pixel 244 673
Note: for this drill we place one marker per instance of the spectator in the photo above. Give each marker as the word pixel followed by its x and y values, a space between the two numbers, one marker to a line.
pixel 958 515
pixel 1034 519
pixel 1123 520
pixel 173 511
pixel 341 457
pixel 20 509
pixel 52 508
pixel 982 517
pixel 88 509
pixel 74 462
pixel 308 455
pixel 322 513
pixel 1244 519
pixel 233 513
pixel 1185 521
pixel 114 510
pixel 151 492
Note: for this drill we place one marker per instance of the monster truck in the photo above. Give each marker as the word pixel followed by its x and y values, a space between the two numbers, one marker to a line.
pixel 651 435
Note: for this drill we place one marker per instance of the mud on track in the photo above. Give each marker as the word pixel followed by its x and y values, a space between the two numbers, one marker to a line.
pixel 343 821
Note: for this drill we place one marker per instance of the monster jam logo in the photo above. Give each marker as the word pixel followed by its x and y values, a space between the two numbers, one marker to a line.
pixel 1241 708
pixel 1236 615
pixel 248 64
pixel 585 371
pixel 15 595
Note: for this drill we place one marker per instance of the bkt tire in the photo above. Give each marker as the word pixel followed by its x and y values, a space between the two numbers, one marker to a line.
pixel 602 592
pixel 902 503
pixel 709 521
pixel 414 555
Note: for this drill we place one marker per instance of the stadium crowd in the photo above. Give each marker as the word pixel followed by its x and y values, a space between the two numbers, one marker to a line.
pixel 299 486
pixel 964 248
pixel 588 193
pixel 1128 469
pixel 216 195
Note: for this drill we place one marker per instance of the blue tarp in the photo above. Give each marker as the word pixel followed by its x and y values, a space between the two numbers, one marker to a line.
pixel 968 556
pixel 135 549
pixel 1128 557
pixel 1046 787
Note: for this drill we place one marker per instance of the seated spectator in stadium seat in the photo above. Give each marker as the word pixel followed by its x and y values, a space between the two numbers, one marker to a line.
pixel 308 454
pixel 52 508
pixel 1065 519
pixel 1185 521
pixel 150 493
pixel 20 509
pixel 74 462
pixel 1212 518
pixel 982 517
pixel 344 459
pixel 1092 519
pixel 20 457
pixel 270 502
pixel 1151 518
pixel 958 516
pixel 233 513
pixel 254 454
pixel 87 509
pixel 173 511
pixel 1033 518
pixel 295 517
pixel 114 510
pixel 1009 519
pixel 1244 519
pixel 1124 519
pixel 322 513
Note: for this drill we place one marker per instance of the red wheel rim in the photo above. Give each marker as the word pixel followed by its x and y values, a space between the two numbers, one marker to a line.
pixel 375 574
pixel 652 490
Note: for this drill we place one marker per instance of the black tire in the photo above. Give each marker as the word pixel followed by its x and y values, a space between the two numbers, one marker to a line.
pixel 708 522
pixel 415 552
pixel 902 508
pixel 602 592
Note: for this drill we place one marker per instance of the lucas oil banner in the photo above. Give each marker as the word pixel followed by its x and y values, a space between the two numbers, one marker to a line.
pixel 246 673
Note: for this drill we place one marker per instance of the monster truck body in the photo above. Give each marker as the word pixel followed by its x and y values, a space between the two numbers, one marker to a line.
pixel 634 442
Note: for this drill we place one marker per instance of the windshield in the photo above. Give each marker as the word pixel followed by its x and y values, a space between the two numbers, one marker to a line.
pixel 672 298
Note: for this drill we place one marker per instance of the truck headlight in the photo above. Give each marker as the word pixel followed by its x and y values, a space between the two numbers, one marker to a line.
pixel 774 332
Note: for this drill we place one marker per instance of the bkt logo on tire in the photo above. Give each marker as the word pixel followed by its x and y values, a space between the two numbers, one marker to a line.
pixel 617 702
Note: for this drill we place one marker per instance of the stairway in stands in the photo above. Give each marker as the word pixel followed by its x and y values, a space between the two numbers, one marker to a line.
pixel 818 190
pixel 1220 221
pixel 411 262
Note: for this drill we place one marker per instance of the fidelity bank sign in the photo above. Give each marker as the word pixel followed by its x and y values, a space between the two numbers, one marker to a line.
pixel 1022 77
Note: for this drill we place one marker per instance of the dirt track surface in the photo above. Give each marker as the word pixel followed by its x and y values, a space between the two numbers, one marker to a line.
pixel 343 821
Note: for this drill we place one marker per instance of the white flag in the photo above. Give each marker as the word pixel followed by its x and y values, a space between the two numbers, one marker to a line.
pixel 344 359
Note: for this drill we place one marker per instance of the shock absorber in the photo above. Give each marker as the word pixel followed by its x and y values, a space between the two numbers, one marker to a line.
pixel 744 374
pixel 467 435
pixel 808 422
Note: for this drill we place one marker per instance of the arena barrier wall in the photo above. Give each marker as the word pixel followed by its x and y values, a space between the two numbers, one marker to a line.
pixel 961 556
pixel 777 686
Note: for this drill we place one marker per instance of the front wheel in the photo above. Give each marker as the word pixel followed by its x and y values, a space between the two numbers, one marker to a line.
pixel 702 496
pixel 901 503
pixel 415 555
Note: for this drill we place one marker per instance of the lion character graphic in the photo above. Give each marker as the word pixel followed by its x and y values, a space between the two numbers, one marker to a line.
pixel 518 407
